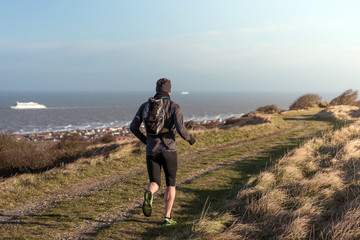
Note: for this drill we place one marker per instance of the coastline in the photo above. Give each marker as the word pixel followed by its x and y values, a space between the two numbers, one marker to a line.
pixel 119 132
pixel 85 111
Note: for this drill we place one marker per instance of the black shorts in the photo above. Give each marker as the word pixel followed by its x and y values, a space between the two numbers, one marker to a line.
pixel 168 160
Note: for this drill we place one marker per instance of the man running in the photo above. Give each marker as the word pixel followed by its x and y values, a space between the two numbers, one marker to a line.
pixel 161 149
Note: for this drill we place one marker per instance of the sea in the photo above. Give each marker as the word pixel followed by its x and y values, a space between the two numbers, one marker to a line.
pixel 68 111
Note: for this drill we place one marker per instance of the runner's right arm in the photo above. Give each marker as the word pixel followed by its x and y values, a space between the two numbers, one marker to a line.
pixel 135 125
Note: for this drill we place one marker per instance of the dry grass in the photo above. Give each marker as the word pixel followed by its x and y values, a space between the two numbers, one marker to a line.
pixel 341 113
pixel 210 225
pixel 265 181
pixel 348 226
pixel 312 192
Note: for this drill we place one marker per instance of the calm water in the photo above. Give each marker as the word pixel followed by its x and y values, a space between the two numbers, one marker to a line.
pixel 86 110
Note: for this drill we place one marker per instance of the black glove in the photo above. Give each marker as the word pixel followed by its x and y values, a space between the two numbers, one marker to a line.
pixel 192 140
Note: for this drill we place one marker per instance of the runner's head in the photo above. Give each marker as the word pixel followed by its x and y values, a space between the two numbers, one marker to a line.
pixel 163 85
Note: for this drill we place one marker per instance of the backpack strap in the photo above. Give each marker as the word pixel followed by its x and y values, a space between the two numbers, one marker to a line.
pixel 165 130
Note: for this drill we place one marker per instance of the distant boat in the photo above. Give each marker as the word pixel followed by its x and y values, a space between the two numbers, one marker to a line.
pixel 28 105
pixel 184 93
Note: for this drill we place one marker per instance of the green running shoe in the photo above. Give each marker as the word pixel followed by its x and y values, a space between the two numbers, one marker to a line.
pixel 147 205
pixel 169 222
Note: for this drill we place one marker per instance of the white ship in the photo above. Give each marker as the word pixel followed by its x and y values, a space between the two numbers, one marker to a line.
pixel 28 105
pixel 184 93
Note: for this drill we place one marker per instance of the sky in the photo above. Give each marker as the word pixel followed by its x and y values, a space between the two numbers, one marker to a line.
pixel 202 45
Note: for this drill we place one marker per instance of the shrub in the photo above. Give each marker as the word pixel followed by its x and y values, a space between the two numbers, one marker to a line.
pixel 211 124
pixel 70 147
pixel 21 156
pixel 24 156
pixel 346 98
pixel 324 105
pixel 306 101
pixel 268 109
pixel 190 124
pixel 107 138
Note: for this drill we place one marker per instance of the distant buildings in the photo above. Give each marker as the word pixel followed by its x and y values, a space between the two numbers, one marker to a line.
pixel 120 133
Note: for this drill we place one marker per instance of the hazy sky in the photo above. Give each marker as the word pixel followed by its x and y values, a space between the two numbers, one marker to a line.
pixel 201 45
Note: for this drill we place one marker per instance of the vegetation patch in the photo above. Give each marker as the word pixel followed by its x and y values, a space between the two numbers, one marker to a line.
pixel 306 194
pixel 340 113
pixel 268 109
pixel 21 156
pixel 306 101
pixel 348 97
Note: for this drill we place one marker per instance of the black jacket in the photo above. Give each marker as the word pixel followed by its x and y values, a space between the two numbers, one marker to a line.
pixel 164 141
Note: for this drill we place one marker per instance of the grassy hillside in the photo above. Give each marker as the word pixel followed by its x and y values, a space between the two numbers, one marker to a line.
pixel 99 195
pixel 310 193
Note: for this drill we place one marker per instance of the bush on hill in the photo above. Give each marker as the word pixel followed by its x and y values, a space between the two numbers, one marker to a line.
pixel 306 101
pixel 107 138
pixel 192 125
pixel 324 105
pixel 268 109
pixel 21 156
pixel 346 98
pixel 70 147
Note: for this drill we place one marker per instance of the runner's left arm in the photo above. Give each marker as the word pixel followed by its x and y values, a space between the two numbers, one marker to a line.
pixel 180 126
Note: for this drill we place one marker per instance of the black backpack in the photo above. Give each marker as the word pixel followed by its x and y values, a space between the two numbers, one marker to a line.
pixel 154 116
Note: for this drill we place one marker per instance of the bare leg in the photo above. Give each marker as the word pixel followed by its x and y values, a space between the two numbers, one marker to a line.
pixel 169 200
pixel 153 187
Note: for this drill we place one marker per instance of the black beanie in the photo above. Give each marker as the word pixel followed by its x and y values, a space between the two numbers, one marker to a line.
pixel 163 85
